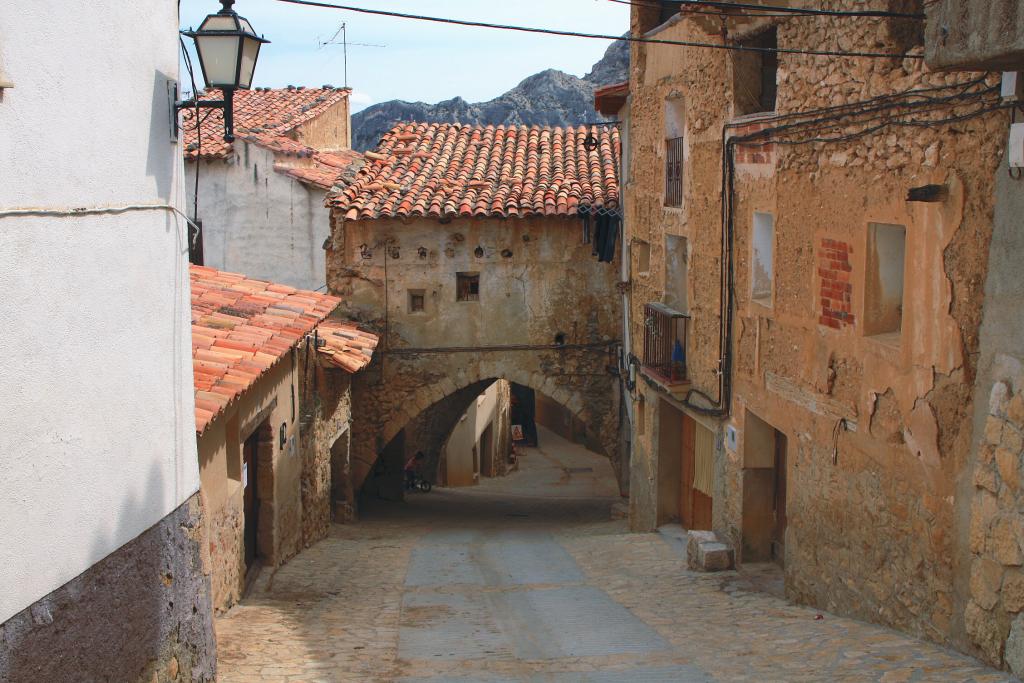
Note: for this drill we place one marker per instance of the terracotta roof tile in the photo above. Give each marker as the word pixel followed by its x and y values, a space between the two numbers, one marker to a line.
pixel 261 112
pixel 345 345
pixel 240 328
pixel 442 169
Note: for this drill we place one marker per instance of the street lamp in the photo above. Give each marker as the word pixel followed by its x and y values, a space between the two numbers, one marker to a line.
pixel 228 48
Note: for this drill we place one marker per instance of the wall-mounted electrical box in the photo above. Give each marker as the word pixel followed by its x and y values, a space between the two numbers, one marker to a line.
pixel 731 437
pixel 1012 87
pixel 1015 155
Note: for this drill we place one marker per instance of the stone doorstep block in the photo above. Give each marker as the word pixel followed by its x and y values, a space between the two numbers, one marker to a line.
pixel 714 557
pixel 704 552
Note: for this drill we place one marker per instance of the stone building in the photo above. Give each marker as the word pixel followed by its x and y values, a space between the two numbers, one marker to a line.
pixel 968 34
pixel 101 561
pixel 261 198
pixel 809 239
pixel 272 420
pixel 472 251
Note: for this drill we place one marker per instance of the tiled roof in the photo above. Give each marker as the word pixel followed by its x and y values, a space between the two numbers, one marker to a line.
pixel 327 170
pixel 442 169
pixel 271 112
pixel 345 345
pixel 240 328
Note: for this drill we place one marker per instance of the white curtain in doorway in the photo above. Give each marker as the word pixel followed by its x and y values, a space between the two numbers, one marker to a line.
pixel 704 461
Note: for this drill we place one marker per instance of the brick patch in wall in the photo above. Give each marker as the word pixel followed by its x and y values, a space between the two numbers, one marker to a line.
pixel 836 289
pixel 753 153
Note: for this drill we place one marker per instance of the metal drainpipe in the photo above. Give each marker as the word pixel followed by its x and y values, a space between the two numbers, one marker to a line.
pixel 626 252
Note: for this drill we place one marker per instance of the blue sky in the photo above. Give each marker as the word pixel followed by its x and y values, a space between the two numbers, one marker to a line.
pixel 421 61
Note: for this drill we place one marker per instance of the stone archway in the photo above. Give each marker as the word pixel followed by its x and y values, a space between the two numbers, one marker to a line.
pixel 398 387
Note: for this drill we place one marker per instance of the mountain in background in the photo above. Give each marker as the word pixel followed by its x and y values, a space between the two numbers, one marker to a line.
pixel 549 98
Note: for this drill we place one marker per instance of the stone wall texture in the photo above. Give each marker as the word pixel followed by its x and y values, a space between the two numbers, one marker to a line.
pixel 878 427
pixel 997 520
pixel 539 284
pixel 141 614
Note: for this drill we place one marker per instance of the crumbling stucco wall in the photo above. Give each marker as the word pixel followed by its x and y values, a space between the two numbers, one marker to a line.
pixel 547 317
pixel 870 502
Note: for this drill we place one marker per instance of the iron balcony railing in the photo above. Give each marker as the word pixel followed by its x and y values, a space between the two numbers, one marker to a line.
pixel 674 172
pixel 665 332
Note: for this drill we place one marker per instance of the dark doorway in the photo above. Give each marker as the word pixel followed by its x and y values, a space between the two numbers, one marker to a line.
pixel 340 481
pixel 524 414
pixel 779 500
pixel 487 451
pixel 250 498
pixel 764 491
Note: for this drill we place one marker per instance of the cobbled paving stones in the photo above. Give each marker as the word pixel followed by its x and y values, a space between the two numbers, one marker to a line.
pixel 527 578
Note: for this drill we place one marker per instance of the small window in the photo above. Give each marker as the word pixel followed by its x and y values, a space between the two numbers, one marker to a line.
pixel 754 74
pixel 655 13
pixel 676 295
pixel 883 288
pixel 674 152
pixel 761 273
pixel 467 287
pixel 643 257
pixel 417 300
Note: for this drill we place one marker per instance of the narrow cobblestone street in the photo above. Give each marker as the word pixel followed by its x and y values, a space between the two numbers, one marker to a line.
pixel 528 578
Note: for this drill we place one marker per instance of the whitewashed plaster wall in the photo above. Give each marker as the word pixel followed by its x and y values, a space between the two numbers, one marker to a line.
pixel 97 439
pixel 259 222
pixel 458 448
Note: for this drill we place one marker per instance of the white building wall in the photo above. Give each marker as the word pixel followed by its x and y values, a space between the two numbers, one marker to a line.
pixel 259 222
pixel 97 439
pixel 458 448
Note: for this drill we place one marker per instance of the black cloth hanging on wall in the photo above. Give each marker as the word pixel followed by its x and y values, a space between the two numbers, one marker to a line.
pixel 605 233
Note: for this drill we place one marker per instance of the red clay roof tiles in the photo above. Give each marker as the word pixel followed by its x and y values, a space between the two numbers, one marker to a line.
pixel 441 169
pixel 242 327
pixel 263 112
pixel 345 345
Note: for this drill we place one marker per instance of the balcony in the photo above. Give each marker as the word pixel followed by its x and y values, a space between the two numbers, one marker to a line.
pixel 664 359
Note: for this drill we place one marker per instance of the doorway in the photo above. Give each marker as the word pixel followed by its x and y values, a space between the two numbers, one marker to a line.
pixel 685 460
pixel 341 494
pixel 487 451
pixel 250 498
pixel 764 492
pixel 695 503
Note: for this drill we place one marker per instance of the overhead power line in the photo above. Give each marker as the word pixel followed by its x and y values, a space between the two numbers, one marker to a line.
pixel 599 36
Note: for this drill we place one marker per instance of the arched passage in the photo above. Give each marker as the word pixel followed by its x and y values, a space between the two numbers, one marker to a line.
pixel 398 388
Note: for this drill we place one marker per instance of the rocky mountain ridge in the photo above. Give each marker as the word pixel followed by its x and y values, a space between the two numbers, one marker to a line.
pixel 550 97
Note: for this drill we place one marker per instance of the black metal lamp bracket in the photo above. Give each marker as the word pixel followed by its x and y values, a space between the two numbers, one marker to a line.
pixel 224 104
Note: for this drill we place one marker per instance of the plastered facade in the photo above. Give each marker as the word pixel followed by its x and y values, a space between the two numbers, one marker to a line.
pixel 259 221
pixel 97 444
pixel 876 426
pixel 479 444
pixel 547 317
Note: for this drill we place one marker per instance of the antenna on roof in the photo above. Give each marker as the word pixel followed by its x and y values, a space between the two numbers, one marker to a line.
pixel 333 40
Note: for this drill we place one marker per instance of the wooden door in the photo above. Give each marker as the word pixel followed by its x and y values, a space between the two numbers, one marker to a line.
pixel 694 506
pixel 779 500
pixel 250 502
pixel 689 463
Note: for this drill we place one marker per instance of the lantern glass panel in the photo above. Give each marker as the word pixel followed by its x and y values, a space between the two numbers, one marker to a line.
pixel 219 22
pixel 250 51
pixel 219 55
